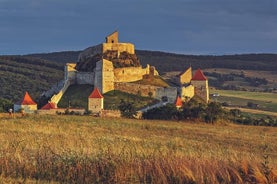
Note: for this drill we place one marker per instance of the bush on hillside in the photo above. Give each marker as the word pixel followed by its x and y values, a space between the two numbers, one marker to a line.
pixel 5 105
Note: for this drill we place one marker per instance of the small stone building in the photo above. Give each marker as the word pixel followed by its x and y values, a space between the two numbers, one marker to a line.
pixel 200 83
pixel 26 104
pixel 194 85
pixel 95 101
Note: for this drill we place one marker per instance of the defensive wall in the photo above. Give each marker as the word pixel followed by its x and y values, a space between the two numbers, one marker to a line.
pixel 169 92
pixel 119 47
pixel 144 90
pixel 102 48
pixel 60 111
pixel 57 97
pixel 110 113
pixel 129 74
pixel 135 88
pixel 54 89
pixel 85 78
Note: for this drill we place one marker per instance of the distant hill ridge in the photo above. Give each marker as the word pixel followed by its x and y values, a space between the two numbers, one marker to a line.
pixel 166 62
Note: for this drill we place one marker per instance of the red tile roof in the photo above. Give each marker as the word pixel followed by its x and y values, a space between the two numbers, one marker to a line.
pixel 178 102
pixel 49 105
pixel 26 100
pixel 95 94
pixel 199 75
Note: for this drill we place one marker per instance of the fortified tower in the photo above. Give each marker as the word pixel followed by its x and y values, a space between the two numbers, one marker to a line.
pixel 200 83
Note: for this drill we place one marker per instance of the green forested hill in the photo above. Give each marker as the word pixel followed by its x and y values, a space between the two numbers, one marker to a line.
pixel 166 62
pixel 21 73
pixel 60 57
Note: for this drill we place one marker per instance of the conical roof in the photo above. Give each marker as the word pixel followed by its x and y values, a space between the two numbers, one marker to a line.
pixel 49 105
pixel 95 94
pixel 199 75
pixel 178 102
pixel 26 100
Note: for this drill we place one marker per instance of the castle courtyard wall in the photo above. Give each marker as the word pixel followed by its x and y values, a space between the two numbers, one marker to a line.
pixel 129 74
pixel 169 92
pixel 85 78
pixel 119 47
pixel 134 88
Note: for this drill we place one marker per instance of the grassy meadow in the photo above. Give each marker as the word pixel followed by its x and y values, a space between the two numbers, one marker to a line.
pixel 85 149
pixel 266 101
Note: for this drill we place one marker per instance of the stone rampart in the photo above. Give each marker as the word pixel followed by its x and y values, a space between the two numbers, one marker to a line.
pixel 129 74
pixel 70 71
pixel 110 113
pixel 54 89
pixel 133 88
pixel 85 78
pixel 57 97
pixel 169 92
pixel 119 47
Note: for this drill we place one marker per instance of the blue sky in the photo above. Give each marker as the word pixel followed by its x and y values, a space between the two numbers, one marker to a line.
pixel 178 26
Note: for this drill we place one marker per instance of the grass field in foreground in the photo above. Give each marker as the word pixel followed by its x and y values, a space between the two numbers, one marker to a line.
pixel 84 149
pixel 266 101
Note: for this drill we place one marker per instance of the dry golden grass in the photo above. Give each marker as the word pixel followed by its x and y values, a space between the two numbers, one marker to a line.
pixel 83 149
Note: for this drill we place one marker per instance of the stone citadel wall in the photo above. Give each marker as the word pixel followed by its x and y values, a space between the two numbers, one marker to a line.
pixel 134 88
pixel 119 47
pixel 144 90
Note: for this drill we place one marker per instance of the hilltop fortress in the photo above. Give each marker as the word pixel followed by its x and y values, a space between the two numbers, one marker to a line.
pixel 114 66
pixel 106 64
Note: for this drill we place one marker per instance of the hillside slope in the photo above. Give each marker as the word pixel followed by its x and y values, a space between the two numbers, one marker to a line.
pixel 21 73
pixel 38 72
pixel 166 62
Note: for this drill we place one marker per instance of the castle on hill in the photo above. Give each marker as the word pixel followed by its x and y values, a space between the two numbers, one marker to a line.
pixel 107 64
pixel 113 65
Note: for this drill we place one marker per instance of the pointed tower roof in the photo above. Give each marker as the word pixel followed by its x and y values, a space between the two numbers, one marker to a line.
pixel 49 105
pixel 178 102
pixel 26 100
pixel 199 75
pixel 95 94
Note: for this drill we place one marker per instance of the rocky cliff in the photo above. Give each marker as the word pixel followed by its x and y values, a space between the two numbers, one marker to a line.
pixel 119 60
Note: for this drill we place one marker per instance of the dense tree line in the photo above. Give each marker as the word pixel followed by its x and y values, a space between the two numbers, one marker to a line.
pixel 193 109
pixel 5 105
pixel 240 118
